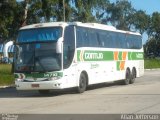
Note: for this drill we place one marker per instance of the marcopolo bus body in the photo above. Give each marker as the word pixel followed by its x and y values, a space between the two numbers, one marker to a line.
pixel 62 55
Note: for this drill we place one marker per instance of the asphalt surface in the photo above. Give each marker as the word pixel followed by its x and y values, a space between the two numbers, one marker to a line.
pixel 142 97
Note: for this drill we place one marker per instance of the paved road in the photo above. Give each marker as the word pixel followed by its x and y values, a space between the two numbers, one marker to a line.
pixel 141 97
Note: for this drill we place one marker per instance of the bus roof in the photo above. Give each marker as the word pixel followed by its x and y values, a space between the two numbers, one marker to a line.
pixel 88 25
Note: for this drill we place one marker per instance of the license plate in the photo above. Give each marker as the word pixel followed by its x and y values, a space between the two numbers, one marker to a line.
pixel 35 85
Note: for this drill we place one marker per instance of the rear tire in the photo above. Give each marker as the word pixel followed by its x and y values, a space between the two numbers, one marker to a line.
pixel 133 76
pixel 82 83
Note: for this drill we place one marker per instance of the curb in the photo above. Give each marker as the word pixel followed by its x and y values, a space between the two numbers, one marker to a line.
pixel 4 86
pixel 152 69
pixel 9 86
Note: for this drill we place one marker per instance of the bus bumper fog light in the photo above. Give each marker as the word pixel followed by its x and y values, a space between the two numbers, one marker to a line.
pixel 54 78
pixel 19 80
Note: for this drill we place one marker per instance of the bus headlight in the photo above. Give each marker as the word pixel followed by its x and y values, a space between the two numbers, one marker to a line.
pixel 19 80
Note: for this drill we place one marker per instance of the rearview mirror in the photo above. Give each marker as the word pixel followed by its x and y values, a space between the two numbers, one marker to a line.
pixel 59 45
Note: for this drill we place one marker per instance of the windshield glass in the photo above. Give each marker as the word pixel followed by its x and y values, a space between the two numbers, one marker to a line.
pixel 37 57
pixel 39 34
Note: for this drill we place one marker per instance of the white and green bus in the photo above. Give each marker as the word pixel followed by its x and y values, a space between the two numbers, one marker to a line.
pixel 61 55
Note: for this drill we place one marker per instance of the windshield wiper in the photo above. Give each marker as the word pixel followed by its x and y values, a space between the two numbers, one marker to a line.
pixel 38 60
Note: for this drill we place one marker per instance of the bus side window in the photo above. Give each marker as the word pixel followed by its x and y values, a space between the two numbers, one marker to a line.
pixel 92 38
pixel 79 37
pixel 85 40
pixel 107 40
pixel 101 38
pixel 82 37
pixel 112 39
pixel 127 42
pixel 139 42
pixel 122 40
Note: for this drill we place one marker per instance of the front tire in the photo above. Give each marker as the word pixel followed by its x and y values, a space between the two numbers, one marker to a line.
pixel 127 78
pixel 82 83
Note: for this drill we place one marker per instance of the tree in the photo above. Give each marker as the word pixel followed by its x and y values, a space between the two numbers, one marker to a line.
pixel 120 14
pixel 154 28
pixel 152 47
pixel 7 9
pixel 153 44
pixel 17 21
pixel 141 21
pixel 34 13
pixel 100 10
pixel 59 15
pixel 84 9
pixel 48 10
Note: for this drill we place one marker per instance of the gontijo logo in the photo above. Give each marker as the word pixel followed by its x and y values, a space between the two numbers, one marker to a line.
pixel 90 55
pixel 93 56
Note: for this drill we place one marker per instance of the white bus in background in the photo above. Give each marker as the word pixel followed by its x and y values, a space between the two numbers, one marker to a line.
pixel 63 55
pixel 7 52
pixel 1 52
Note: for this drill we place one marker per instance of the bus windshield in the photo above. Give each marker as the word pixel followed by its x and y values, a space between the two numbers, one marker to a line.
pixel 37 57
pixel 36 50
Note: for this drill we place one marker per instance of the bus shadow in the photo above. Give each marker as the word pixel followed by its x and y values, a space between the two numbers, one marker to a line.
pixel 11 92
pixel 103 85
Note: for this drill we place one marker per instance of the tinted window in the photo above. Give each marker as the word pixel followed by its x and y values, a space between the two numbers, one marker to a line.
pixel 134 42
pixel 121 40
pixel 82 37
pixel 93 38
pixel 102 38
pixel 37 57
pixel 88 37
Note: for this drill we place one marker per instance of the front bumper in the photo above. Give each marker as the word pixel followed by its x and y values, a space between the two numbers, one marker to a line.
pixel 41 85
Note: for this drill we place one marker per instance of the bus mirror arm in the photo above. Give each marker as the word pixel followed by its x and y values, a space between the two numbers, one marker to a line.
pixel 59 45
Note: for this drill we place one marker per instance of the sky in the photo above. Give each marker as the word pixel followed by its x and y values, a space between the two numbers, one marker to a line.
pixel 149 6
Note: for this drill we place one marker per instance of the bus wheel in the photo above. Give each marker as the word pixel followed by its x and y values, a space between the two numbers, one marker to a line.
pixel 82 83
pixel 128 77
pixel 133 76
pixel 44 92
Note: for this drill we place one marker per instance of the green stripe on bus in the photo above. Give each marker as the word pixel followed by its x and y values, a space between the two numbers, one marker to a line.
pixel 90 55
pixel 135 56
pixel 120 56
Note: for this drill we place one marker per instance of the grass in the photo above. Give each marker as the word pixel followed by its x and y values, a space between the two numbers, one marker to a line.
pixel 6 77
pixel 151 63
